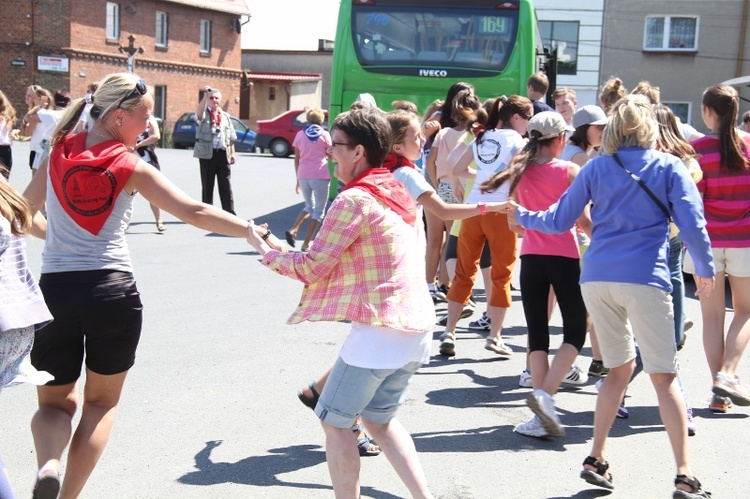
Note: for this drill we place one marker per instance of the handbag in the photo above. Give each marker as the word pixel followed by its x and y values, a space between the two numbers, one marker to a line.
pixel 643 185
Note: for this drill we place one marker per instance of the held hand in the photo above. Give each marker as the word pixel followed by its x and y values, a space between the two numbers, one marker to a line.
pixel 493 207
pixel 703 287
pixel 254 238
pixel 509 207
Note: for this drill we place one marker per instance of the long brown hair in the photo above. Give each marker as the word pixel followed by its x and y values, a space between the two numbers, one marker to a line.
pixel 14 208
pixel 670 139
pixel 723 100
pixel 502 111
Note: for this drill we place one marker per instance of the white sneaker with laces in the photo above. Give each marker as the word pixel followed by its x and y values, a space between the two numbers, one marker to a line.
pixel 532 428
pixel 576 376
pixel 481 324
pixel 524 381
pixel 543 405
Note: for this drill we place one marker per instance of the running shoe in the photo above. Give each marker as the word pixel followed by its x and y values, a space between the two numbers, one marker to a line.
pixel 720 405
pixel 498 346
pixel 481 324
pixel 438 294
pixel 730 386
pixel 543 405
pixel 597 368
pixel 532 428
pixel 525 380
pixel 691 426
pixel 448 344
pixel 575 376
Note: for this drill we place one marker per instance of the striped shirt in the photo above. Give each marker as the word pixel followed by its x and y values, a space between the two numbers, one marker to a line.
pixel 726 196
pixel 365 265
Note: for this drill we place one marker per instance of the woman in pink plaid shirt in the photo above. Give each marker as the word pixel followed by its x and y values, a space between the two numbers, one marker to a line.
pixel 365 266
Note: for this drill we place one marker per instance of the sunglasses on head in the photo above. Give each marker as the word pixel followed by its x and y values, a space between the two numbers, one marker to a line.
pixel 140 89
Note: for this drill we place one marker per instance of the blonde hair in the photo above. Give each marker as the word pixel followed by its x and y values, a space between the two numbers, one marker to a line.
pixel 107 99
pixel 400 120
pixel 562 92
pixel 14 208
pixel 652 93
pixel 7 111
pixel 631 124
pixel 315 116
pixel 612 91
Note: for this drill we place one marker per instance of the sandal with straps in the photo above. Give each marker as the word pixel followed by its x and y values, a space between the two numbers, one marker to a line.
pixel 365 444
pixel 696 491
pixel 601 477
pixel 310 402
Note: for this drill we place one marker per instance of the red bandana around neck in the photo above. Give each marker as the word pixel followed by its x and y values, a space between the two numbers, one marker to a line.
pixel 394 162
pixel 381 183
pixel 88 181
pixel 215 116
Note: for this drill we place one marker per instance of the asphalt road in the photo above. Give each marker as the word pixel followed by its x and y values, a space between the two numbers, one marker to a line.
pixel 210 408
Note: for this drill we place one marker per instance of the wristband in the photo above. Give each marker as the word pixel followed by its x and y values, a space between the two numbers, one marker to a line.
pixel 482 207
pixel 266 235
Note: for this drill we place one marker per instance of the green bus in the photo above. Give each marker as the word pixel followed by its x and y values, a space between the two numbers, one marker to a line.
pixel 416 49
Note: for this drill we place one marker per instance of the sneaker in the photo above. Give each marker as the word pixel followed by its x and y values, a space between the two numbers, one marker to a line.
pixel 438 295
pixel 525 380
pixel 575 376
pixel 448 344
pixel 466 312
pixel 471 303
pixel 728 386
pixel 481 324
pixel 498 346
pixel 532 428
pixel 543 405
pixel 47 485
pixel 720 405
pixel 691 426
pixel 597 368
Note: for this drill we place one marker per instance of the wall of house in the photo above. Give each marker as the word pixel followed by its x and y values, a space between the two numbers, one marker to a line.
pixel 681 76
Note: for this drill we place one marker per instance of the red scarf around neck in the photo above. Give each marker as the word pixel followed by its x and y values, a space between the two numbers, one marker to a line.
pixel 381 183
pixel 88 181
pixel 215 116
pixel 394 162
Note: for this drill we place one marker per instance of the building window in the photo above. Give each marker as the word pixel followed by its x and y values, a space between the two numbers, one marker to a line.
pixel 160 101
pixel 672 33
pixel 161 29
pixel 205 36
pixel 681 110
pixel 113 21
pixel 562 35
pixel 271 93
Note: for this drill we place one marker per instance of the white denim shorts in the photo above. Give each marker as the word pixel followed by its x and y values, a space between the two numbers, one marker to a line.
pixel 733 261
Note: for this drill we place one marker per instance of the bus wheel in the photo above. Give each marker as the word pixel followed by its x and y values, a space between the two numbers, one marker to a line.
pixel 280 148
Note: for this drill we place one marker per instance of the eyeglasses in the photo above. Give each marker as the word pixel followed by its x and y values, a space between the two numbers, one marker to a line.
pixel 140 89
pixel 334 144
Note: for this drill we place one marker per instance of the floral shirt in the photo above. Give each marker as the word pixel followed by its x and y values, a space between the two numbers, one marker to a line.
pixel 365 265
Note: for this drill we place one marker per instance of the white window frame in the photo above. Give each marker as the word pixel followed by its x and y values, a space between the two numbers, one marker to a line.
pixel 161 35
pixel 113 21
pixel 665 35
pixel 205 42
pixel 670 103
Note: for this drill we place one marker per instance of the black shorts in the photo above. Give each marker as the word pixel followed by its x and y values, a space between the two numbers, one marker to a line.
pixel 98 312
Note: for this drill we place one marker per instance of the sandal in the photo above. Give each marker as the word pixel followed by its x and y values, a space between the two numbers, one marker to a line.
pixel 289 238
pixel 696 491
pixel 160 227
pixel 367 446
pixel 310 402
pixel 601 477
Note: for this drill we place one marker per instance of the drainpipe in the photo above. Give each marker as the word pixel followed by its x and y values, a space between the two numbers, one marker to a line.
pixel 743 37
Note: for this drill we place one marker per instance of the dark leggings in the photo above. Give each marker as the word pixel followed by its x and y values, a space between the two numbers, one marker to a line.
pixel 538 272
pixel 451 251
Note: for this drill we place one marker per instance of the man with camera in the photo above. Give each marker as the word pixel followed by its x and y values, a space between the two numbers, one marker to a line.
pixel 214 147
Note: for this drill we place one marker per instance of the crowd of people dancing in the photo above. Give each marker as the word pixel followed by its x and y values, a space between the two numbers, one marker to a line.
pixel 605 201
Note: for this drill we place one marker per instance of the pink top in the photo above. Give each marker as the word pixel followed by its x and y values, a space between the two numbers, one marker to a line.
pixel 312 156
pixel 726 196
pixel 446 140
pixel 540 187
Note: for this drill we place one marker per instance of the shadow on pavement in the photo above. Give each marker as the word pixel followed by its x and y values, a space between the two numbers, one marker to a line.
pixel 261 471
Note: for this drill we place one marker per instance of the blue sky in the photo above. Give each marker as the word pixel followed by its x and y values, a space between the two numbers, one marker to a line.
pixel 289 24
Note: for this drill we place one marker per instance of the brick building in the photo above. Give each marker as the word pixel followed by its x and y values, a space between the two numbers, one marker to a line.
pixel 66 44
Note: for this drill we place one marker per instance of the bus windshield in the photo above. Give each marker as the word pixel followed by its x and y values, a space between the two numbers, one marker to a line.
pixel 389 36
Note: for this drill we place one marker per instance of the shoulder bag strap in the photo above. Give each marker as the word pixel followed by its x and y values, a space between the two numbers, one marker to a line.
pixel 644 187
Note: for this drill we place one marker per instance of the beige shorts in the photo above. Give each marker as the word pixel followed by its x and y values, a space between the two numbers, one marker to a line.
pixel 733 261
pixel 649 309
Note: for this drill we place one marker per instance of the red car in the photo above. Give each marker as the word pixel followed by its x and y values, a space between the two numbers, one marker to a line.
pixel 278 133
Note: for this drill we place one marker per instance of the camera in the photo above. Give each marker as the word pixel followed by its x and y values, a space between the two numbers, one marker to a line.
pixel 216 130
pixel 209 89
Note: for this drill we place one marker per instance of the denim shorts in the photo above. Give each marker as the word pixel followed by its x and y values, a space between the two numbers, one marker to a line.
pixel 98 313
pixel 375 394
